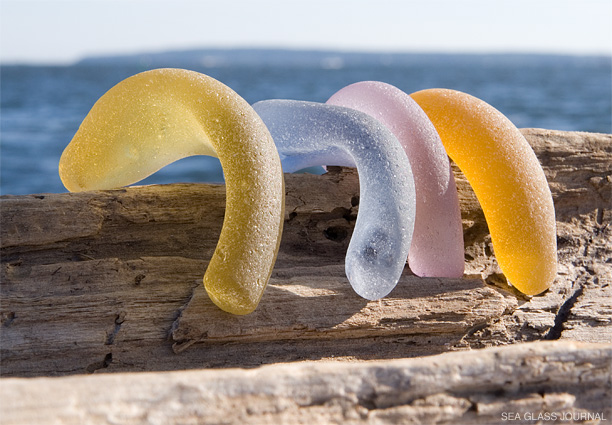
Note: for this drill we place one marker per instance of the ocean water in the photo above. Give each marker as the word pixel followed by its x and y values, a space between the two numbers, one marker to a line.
pixel 42 106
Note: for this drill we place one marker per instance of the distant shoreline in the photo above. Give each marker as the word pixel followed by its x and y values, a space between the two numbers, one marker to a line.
pixel 220 57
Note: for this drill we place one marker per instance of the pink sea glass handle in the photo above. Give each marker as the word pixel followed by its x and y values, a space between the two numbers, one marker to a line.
pixel 437 248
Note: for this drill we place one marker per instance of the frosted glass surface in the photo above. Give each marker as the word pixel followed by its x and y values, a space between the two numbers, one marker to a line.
pixel 309 134
pixel 508 180
pixel 437 248
pixel 154 118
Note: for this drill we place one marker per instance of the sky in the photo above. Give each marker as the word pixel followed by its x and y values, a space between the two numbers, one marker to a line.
pixel 61 32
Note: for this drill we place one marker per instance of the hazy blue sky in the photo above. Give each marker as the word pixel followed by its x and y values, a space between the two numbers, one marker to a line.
pixel 63 31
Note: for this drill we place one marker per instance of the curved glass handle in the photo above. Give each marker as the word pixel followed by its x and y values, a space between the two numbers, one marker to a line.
pixel 154 118
pixel 508 180
pixel 309 134
pixel 437 248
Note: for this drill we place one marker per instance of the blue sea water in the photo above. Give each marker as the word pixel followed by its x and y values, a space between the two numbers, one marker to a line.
pixel 42 106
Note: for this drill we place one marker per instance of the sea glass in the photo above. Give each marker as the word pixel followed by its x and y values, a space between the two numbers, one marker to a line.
pixel 309 134
pixel 508 180
pixel 437 248
pixel 156 117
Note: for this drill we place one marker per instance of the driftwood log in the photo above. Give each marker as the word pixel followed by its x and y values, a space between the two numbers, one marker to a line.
pixel 557 382
pixel 110 281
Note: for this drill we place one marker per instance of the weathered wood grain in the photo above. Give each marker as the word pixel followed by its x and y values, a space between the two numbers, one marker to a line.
pixel 541 382
pixel 111 281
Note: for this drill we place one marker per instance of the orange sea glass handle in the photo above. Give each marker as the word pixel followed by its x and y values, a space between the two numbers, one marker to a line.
pixel 508 180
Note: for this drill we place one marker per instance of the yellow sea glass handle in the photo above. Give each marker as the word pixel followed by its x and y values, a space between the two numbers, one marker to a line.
pixel 508 180
pixel 156 117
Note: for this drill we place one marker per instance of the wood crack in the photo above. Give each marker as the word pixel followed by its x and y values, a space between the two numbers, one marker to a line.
pixel 564 312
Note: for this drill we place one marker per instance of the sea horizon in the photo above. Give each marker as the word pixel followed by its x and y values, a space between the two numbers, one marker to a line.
pixel 42 106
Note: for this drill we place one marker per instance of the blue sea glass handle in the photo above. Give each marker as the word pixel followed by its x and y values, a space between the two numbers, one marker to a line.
pixel 309 134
